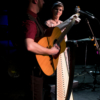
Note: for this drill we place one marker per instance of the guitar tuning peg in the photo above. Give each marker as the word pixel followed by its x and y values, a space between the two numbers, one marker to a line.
pixel 92 39
pixel 94 44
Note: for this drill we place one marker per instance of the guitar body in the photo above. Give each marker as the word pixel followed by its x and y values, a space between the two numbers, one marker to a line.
pixel 48 63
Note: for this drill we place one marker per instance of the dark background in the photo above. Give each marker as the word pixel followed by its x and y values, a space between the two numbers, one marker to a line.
pixel 11 10
pixel 81 30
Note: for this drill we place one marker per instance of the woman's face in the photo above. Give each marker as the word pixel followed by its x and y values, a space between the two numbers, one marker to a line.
pixel 57 12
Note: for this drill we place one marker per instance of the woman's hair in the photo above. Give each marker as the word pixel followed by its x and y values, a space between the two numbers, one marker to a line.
pixel 57 4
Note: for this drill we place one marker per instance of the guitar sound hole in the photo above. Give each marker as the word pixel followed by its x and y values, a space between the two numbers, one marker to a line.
pixel 55 41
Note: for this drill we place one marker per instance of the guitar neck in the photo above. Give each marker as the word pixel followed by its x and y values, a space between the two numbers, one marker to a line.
pixel 69 25
pixel 64 24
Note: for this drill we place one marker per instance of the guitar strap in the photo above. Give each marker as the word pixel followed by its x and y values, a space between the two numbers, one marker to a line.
pixel 40 31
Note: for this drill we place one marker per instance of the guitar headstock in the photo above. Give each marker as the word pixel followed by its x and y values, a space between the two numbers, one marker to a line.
pixel 77 10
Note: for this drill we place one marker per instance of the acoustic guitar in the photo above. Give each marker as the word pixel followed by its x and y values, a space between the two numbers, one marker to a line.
pixel 48 63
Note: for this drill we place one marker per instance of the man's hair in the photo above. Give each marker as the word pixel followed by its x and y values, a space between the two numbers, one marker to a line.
pixel 57 4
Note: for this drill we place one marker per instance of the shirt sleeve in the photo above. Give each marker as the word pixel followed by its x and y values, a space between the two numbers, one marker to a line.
pixel 48 23
pixel 30 29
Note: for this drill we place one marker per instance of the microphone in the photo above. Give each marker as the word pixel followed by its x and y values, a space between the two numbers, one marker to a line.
pixel 77 10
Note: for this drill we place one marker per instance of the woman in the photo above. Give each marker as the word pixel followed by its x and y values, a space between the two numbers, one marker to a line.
pixel 57 10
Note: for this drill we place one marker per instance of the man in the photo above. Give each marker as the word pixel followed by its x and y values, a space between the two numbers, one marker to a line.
pixel 27 47
pixel 31 74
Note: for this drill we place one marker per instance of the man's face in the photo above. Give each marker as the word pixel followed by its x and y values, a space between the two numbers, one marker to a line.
pixel 40 4
pixel 57 11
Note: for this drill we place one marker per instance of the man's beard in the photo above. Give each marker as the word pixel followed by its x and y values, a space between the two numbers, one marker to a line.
pixel 39 5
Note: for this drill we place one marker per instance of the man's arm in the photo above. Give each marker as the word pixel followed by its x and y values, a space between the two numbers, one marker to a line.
pixel 34 47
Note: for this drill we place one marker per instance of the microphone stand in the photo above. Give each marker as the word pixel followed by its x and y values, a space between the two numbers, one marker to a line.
pixel 98 52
